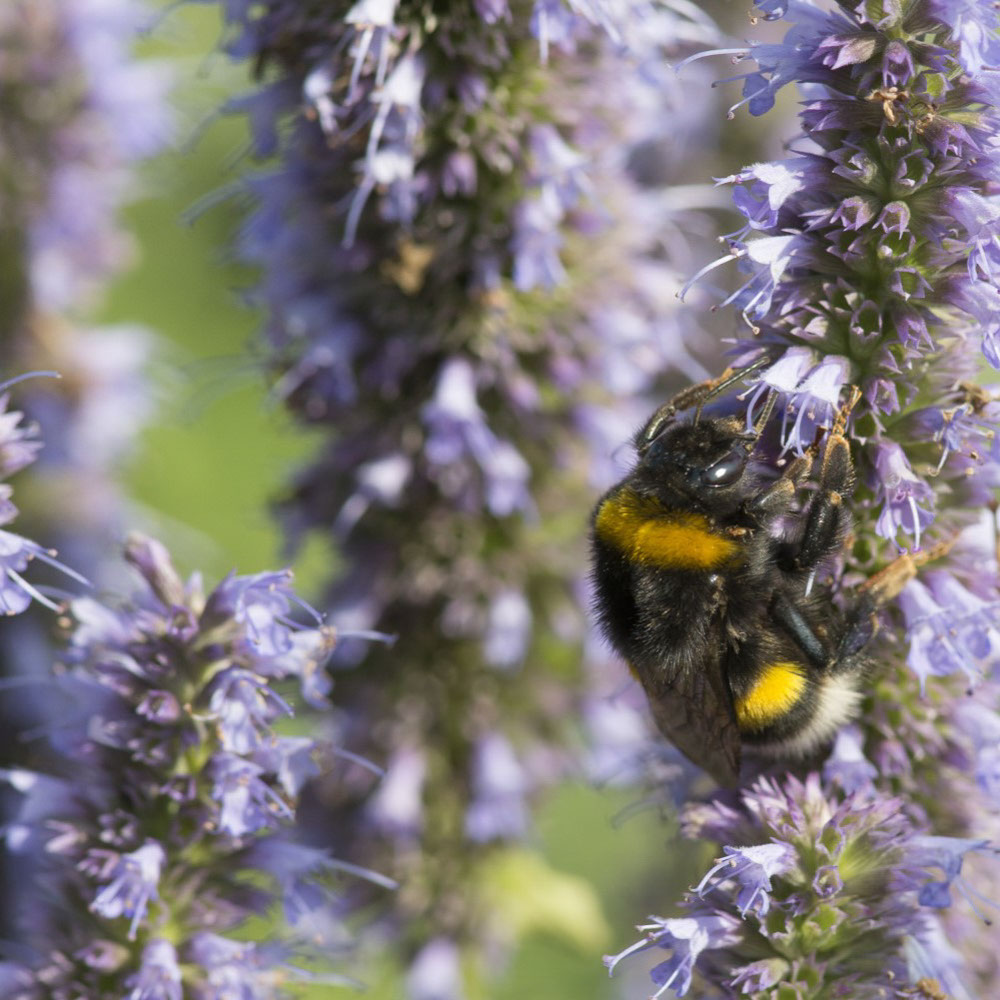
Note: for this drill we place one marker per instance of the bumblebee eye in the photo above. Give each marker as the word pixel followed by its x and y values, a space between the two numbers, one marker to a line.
pixel 726 471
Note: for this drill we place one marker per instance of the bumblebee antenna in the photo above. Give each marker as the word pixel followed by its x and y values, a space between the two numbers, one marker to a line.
pixel 694 395
pixel 726 379
pixel 761 422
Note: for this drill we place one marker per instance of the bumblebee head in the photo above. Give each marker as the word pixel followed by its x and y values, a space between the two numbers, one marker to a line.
pixel 704 461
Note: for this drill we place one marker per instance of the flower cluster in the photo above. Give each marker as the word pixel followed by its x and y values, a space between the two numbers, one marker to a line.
pixel 167 828
pixel 822 898
pixel 868 262
pixel 19 447
pixel 461 269
pixel 869 251
pixel 78 113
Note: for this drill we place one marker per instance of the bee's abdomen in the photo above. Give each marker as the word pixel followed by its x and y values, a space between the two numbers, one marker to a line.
pixel 772 697
pixel 648 534
pixel 792 708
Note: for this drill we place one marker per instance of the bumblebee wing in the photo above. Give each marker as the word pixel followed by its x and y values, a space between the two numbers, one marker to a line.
pixel 696 714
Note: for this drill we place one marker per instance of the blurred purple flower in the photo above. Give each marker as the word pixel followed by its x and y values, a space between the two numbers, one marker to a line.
pixel 134 880
pixel 159 975
pixel 455 251
pixel 435 973
pixel 946 854
pixel 498 808
pixel 508 631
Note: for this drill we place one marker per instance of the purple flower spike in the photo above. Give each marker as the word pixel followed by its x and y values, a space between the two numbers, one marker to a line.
pixel 871 273
pixel 172 747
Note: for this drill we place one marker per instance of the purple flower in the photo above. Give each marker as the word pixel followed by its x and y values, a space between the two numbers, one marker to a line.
pixel 19 443
pixel 456 427
pixel 134 880
pixel 758 976
pixel 435 973
pixel 847 765
pixel 901 493
pixel 619 741
pixel 19 446
pixel 397 805
pixel 247 803
pixel 301 874
pixel 159 976
pixel 981 725
pixel 536 243
pixel 930 630
pixel 232 968
pixel 498 808
pixel 752 867
pixel 686 938
pixel 244 707
pixel 974 26
pixel 508 631
pixel 811 393
pixel 946 854
pixel 897 64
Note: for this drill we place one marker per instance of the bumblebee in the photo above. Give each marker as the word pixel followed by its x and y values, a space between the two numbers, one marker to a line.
pixel 705 584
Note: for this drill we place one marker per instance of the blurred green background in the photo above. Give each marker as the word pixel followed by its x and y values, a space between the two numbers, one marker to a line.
pixel 207 469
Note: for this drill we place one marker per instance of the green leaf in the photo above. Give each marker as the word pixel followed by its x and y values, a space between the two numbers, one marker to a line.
pixel 524 894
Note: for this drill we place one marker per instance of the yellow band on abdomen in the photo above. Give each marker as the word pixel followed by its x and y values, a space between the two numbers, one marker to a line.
pixel 652 535
pixel 773 694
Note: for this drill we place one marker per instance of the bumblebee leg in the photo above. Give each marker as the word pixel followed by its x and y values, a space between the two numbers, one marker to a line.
pixel 777 499
pixel 878 590
pixel 788 616
pixel 828 518
pixel 886 584
pixel 860 627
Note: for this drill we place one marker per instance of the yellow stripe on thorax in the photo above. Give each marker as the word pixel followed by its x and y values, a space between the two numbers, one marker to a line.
pixel 654 536
pixel 773 694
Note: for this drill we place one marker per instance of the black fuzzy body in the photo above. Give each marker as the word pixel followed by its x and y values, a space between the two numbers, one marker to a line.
pixel 702 618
